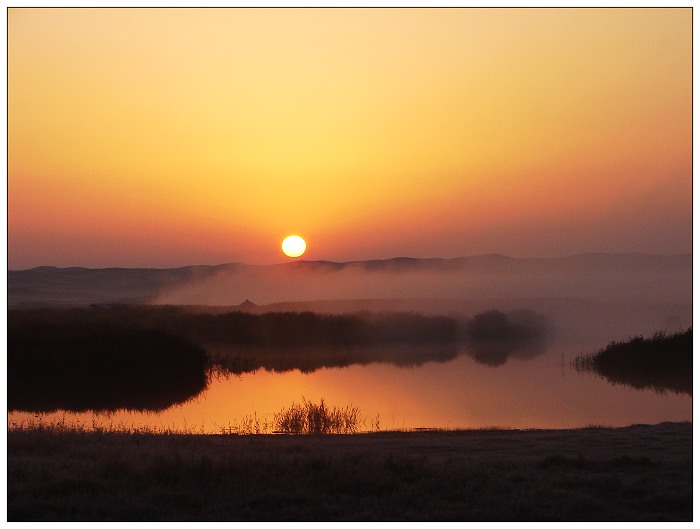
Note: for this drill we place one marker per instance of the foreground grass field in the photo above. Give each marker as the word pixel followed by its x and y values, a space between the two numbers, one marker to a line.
pixel 634 473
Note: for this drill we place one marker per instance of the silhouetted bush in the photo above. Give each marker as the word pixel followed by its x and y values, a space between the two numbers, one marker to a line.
pixel 494 336
pixel 663 362
pixel 496 325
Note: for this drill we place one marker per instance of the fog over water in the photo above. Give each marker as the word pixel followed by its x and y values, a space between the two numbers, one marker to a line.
pixel 618 278
pixel 588 296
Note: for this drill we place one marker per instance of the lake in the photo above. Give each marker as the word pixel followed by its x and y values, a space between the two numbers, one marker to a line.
pixel 541 391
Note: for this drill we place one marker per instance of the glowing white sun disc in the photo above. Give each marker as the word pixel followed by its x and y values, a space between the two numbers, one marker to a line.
pixel 293 246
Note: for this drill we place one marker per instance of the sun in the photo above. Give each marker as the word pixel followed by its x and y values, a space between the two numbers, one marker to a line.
pixel 293 246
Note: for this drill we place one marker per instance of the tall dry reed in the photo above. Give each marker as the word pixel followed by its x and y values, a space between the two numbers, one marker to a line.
pixel 310 418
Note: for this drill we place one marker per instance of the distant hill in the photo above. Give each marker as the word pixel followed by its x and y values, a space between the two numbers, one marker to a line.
pixel 617 276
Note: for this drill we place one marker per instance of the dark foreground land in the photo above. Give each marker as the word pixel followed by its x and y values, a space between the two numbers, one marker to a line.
pixel 635 473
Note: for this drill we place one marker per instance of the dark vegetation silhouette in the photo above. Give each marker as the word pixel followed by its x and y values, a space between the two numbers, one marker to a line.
pixel 306 418
pixel 289 329
pixel 286 329
pixel 87 366
pixel 493 336
pixel 148 358
pixel 311 418
pixel 663 362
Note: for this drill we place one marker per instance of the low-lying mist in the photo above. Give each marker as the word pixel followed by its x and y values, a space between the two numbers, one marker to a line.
pixel 627 278
pixel 588 299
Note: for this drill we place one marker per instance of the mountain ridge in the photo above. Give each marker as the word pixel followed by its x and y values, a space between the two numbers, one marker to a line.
pixel 390 260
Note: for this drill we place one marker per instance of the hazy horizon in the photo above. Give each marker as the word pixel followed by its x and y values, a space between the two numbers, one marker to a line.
pixel 370 259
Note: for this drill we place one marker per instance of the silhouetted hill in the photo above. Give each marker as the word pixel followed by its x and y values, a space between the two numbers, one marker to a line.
pixel 587 276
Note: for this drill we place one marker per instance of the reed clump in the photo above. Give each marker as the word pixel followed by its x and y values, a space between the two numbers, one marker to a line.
pixel 311 418
pixel 663 362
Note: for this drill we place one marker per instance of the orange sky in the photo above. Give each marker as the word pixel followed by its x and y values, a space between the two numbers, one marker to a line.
pixel 166 137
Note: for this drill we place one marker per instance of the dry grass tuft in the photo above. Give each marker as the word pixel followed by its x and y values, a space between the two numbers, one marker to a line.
pixel 310 418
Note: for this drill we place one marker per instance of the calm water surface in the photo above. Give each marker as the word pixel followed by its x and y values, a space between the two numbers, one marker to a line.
pixel 537 392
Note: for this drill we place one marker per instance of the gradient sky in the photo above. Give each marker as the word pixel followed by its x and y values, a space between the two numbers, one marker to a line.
pixel 167 137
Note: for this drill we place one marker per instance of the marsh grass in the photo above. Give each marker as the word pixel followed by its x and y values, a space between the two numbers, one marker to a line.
pixel 63 426
pixel 249 425
pixel 303 419
pixel 297 419
pixel 663 362
pixel 311 418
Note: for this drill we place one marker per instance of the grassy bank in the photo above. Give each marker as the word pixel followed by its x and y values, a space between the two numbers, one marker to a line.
pixel 634 473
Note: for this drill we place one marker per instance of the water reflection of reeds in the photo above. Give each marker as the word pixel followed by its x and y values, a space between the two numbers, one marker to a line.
pixel 149 358
pixel 240 360
pixel 92 367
